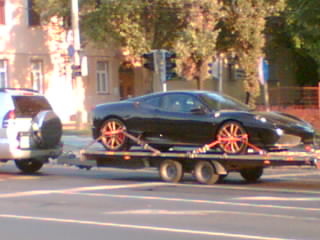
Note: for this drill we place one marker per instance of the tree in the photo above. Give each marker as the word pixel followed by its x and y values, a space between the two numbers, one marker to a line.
pixel 187 27
pixel 191 28
pixel 302 18
pixel 198 40
pixel 135 25
pixel 49 8
pixel 246 22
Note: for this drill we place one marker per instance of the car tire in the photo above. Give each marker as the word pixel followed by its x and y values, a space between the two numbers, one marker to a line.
pixel 227 135
pixel 29 165
pixel 171 171
pixel 251 174
pixel 117 141
pixel 46 129
pixel 205 173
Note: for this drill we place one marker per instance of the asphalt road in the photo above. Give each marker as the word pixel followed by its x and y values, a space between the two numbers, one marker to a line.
pixel 63 202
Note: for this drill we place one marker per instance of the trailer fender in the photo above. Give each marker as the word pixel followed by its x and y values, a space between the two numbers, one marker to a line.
pixel 219 168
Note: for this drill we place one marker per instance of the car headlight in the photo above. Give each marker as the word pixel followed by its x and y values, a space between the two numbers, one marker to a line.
pixel 279 131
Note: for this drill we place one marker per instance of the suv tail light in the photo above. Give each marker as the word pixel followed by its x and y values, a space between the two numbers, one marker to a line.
pixel 9 116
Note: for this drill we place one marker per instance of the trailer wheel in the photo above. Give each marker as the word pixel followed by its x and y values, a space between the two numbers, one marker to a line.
pixel 233 138
pixel 171 171
pixel 251 174
pixel 205 172
pixel 111 138
pixel 222 177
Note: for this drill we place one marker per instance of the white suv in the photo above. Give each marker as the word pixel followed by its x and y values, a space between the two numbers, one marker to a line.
pixel 30 132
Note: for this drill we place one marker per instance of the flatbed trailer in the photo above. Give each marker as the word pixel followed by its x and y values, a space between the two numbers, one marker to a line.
pixel 207 166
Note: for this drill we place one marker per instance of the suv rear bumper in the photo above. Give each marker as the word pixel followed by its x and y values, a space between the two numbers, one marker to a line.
pixel 8 152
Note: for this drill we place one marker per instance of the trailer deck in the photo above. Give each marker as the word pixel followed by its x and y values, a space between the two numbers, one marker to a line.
pixel 206 163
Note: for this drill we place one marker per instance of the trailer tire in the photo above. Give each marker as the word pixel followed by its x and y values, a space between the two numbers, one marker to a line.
pixel 222 177
pixel 205 173
pixel 171 171
pixel 251 174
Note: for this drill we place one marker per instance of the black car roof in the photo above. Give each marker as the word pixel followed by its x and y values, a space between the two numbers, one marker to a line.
pixel 193 92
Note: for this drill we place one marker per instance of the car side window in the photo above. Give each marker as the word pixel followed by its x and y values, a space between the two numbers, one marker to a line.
pixel 153 102
pixel 179 103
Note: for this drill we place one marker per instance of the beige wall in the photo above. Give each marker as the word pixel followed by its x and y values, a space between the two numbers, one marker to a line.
pixel 20 44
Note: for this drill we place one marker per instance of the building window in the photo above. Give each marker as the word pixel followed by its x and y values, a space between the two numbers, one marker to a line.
pixel 102 77
pixel 37 75
pixel 2 12
pixel 3 74
pixel 33 16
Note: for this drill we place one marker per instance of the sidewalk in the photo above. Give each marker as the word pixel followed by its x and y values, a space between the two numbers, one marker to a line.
pixel 71 129
pixel 74 139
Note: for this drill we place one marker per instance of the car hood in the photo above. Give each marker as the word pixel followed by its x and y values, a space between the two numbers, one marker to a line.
pixel 284 120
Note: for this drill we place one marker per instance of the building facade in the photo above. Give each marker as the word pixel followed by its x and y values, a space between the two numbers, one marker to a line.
pixel 40 56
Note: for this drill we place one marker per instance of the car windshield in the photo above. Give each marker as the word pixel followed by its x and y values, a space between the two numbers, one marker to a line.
pixel 222 102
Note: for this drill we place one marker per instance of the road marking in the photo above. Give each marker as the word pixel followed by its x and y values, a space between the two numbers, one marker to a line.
pixel 112 187
pixel 5 177
pixel 270 198
pixel 140 227
pixel 292 175
pixel 249 187
pixel 204 213
pixel 80 189
pixel 224 203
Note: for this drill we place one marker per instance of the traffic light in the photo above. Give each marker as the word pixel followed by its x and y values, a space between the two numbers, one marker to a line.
pixel 240 74
pixel 149 61
pixel 210 68
pixel 76 70
pixel 213 69
pixel 170 64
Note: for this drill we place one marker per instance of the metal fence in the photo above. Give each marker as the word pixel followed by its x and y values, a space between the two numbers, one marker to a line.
pixel 298 97
pixel 302 102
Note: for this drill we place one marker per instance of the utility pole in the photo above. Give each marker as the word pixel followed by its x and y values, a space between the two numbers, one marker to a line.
pixel 78 86
pixel 220 73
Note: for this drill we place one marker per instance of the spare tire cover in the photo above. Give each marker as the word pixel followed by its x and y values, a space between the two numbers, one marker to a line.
pixel 47 129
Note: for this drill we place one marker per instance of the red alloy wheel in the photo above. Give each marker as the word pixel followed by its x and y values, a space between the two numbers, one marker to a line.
pixel 232 137
pixel 112 136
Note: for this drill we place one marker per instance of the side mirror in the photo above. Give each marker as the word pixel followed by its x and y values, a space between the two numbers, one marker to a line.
pixel 198 111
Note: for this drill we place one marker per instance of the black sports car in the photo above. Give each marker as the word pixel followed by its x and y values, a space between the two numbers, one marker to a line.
pixel 196 118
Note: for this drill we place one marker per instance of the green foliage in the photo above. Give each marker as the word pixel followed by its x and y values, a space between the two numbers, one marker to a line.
pixel 186 27
pixel 303 26
pixel 191 28
pixel 246 22
pixel 136 25
pixel 49 8
pixel 198 40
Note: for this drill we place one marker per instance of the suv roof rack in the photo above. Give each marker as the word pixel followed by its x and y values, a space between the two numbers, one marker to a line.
pixel 19 89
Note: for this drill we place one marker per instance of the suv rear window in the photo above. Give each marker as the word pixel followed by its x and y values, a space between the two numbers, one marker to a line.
pixel 30 106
